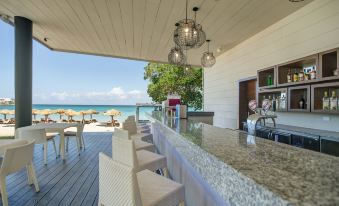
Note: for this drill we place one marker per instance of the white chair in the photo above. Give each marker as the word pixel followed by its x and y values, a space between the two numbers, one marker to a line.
pixel 15 159
pixel 139 144
pixel 119 184
pixel 133 132
pixel 124 150
pixel 39 136
pixel 78 136
pixel 141 127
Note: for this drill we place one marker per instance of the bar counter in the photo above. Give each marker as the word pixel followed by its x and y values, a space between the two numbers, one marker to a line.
pixel 227 167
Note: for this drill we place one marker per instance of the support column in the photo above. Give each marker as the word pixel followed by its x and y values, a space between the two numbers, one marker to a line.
pixel 23 71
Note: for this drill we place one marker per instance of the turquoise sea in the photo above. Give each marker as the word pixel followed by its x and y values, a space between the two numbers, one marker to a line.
pixel 125 110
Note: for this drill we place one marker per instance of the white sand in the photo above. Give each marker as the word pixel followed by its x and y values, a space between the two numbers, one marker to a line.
pixel 8 130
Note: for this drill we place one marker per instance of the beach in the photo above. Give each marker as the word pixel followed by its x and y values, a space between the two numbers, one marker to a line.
pixel 126 110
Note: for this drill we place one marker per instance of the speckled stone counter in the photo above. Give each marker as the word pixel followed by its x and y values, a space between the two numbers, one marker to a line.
pixel 244 170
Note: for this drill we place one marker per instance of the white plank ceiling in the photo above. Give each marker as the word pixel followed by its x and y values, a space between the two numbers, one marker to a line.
pixel 143 29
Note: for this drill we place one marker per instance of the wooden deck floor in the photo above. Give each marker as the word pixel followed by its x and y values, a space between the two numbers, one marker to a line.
pixel 70 182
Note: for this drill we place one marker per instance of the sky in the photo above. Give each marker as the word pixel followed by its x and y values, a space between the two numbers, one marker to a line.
pixel 66 78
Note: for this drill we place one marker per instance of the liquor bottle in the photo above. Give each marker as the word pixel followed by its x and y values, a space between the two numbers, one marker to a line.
pixel 333 102
pixel 302 103
pixel 326 101
pixel 278 103
pixel 313 73
pixel 295 76
pixel 269 80
pixel 301 76
pixel 289 76
pixel 283 101
pixel 274 103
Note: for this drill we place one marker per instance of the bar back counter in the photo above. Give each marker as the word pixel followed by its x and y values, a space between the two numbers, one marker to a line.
pixel 227 167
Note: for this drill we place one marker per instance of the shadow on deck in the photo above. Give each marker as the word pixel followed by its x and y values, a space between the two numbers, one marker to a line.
pixel 70 182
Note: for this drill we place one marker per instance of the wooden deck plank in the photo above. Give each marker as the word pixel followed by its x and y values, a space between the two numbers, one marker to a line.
pixel 70 182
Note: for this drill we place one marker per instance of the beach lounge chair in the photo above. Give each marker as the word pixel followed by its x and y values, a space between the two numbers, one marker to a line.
pixel 14 160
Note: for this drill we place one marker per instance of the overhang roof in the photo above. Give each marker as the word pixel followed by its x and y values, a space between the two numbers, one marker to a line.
pixel 143 29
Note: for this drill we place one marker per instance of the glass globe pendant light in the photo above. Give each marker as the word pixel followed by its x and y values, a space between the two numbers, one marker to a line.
pixel 185 34
pixel 207 59
pixel 176 56
pixel 200 33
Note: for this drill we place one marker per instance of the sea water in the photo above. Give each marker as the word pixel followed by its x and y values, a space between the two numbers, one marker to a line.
pixel 125 110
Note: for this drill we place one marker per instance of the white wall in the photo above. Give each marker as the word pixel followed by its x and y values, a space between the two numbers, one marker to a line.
pixel 312 29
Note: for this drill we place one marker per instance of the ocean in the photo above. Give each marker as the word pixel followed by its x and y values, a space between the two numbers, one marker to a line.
pixel 125 110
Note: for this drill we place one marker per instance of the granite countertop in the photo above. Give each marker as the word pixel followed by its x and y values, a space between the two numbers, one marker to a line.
pixel 253 170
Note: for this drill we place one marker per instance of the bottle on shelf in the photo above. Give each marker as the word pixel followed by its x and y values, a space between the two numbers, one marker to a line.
pixel 302 104
pixel 269 80
pixel 334 101
pixel 301 76
pixel 313 73
pixel 326 101
pixel 283 101
pixel 295 76
pixel 277 103
pixel 274 103
pixel 289 76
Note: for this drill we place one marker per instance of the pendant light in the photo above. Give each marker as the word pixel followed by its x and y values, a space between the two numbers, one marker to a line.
pixel 176 56
pixel 207 59
pixel 200 33
pixel 186 35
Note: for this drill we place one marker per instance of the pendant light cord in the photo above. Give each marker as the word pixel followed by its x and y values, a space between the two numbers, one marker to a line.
pixel 186 9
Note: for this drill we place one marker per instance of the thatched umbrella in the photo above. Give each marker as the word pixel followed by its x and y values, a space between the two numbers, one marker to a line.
pixel 112 113
pixel 91 112
pixel 83 113
pixel 6 112
pixel 46 113
pixel 71 113
pixel 35 112
pixel 61 112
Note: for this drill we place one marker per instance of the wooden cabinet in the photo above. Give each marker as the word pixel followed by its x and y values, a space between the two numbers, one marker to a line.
pixel 278 96
pixel 297 95
pixel 300 65
pixel 329 63
pixel 267 78
pixel 330 106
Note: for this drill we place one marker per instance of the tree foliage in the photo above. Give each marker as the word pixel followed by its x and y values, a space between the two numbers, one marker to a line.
pixel 166 78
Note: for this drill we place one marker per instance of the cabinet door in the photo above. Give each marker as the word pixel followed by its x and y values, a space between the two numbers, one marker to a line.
pixel 312 143
pixel 297 141
pixel 282 137
pixel 330 147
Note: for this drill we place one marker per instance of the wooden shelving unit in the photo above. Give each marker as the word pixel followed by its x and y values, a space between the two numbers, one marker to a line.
pixel 328 63
pixel 263 76
pixel 298 66
pixel 280 93
pixel 317 94
pixel 312 90
pixel 295 94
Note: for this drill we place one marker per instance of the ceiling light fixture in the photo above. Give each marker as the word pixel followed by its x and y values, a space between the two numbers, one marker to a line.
pixel 208 59
pixel 176 56
pixel 185 34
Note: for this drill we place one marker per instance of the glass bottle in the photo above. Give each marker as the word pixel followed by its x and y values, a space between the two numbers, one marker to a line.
pixel 313 73
pixel 269 80
pixel 283 101
pixel 278 103
pixel 274 103
pixel 295 76
pixel 333 101
pixel 302 103
pixel 326 101
pixel 289 76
